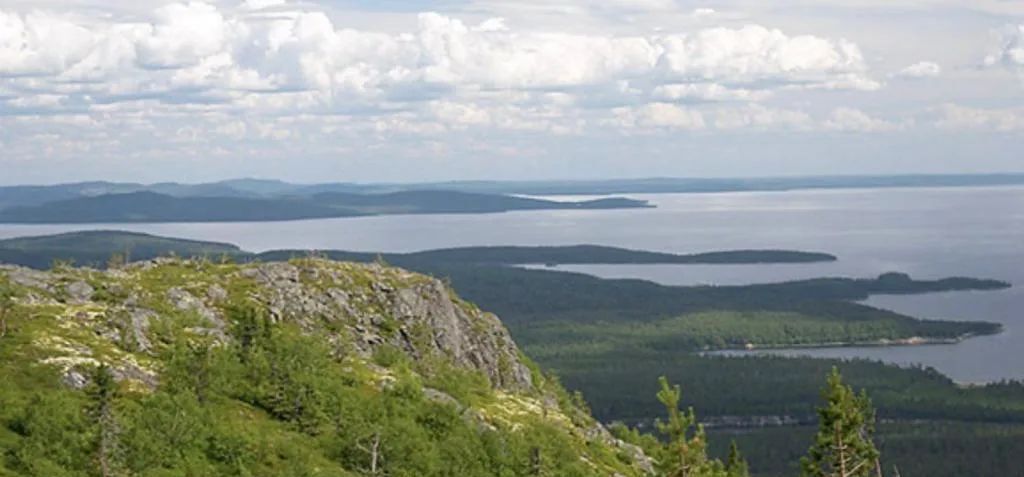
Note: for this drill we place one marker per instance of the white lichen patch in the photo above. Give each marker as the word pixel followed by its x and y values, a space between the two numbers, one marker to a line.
pixel 511 409
pixel 67 363
pixel 62 346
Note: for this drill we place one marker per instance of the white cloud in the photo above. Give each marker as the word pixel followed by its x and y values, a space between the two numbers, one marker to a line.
pixel 658 116
pixel 707 92
pixel 210 53
pixel 923 69
pixel 756 116
pixel 703 12
pixel 754 53
pixel 41 44
pixel 963 118
pixel 184 34
pixel 855 120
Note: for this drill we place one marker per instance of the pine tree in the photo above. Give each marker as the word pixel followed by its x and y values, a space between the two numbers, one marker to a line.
pixel 843 446
pixel 685 455
pixel 736 464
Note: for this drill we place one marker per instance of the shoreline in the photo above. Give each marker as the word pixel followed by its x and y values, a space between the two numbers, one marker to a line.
pixel 881 343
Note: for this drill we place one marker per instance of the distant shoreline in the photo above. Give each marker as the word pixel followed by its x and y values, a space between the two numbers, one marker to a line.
pixel 883 343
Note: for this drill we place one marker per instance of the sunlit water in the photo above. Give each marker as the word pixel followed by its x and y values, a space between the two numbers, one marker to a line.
pixel 929 233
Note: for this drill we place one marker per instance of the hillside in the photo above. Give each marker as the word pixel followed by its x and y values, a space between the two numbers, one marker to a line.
pixel 308 367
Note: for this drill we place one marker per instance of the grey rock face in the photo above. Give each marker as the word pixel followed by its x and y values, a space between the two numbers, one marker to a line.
pixel 473 339
pixel 412 313
pixel 27 277
pixel 185 301
pixel 216 294
pixel 75 380
pixel 140 327
pixel 79 292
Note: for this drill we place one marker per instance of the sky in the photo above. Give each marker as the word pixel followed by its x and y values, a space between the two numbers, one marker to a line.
pixel 405 90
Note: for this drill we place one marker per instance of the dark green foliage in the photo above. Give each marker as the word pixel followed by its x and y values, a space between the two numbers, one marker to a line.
pixel 102 394
pixel 844 445
pixel 735 464
pixel 933 448
pixel 775 386
pixel 685 452
pixel 523 297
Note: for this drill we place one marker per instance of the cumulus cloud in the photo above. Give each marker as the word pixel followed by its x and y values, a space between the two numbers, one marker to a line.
pixel 199 48
pixel 42 44
pixel 923 69
pixel 252 73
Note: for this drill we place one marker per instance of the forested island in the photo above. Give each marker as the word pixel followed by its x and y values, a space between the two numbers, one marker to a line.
pixel 146 206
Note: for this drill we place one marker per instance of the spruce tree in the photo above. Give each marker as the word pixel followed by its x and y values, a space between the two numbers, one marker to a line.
pixel 102 393
pixel 843 446
pixel 685 454
pixel 736 465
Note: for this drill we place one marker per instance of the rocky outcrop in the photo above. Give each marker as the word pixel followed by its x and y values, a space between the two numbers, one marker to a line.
pixel 361 307
pixel 380 306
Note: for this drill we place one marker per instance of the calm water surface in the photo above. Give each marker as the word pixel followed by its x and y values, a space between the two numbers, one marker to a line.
pixel 929 233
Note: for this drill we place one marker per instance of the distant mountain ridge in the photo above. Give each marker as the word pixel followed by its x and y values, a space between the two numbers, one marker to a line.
pixel 14 196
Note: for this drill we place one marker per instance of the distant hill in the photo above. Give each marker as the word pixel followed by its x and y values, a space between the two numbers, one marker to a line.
pixel 18 196
pixel 153 207
pixel 583 254
pixel 95 248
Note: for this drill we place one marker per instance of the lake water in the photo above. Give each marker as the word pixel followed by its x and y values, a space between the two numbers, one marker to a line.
pixel 929 233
